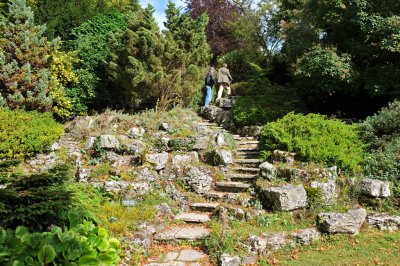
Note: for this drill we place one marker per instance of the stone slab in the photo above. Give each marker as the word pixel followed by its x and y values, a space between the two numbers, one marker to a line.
pixel 193 217
pixel 184 233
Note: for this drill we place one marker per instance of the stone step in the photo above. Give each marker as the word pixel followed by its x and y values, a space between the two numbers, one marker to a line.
pixel 247 161
pixel 204 206
pixel 207 124
pixel 243 199
pixel 246 169
pixel 242 177
pixel 238 137
pixel 246 149
pixel 248 155
pixel 185 232
pixel 193 217
pixel 248 142
pixel 230 186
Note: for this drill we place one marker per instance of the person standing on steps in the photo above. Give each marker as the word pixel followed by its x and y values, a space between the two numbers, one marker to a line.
pixel 209 83
pixel 224 81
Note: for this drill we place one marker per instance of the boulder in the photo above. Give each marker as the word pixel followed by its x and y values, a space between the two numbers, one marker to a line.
pixel 108 142
pixel 136 132
pixel 341 223
pixel 147 175
pixel 267 242
pixel 135 146
pixel 202 143
pixel 89 142
pixel 139 188
pixel 250 131
pixel 384 221
pixel 328 190
pixel 306 236
pixel 164 126
pixel 159 160
pixel 212 113
pixel 220 139
pixel 199 179
pixel 268 171
pixel 225 156
pixel 228 260
pixel 375 188
pixel 284 156
pixel 226 103
pixel 285 198
pixel 116 160
pixel 184 160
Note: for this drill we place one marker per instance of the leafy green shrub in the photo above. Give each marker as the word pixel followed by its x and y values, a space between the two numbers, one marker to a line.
pixel 35 201
pixel 23 133
pixel 315 138
pixel 83 244
pixel 264 103
pixel 381 132
pixel 382 128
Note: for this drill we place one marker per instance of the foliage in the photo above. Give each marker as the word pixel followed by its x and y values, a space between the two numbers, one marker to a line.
pixel 62 16
pixel 25 77
pixel 23 134
pixel 348 48
pixel 381 132
pixel 322 72
pixel 264 103
pixel 221 14
pixel 36 200
pixel 315 138
pixel 83 244
pixel 153 68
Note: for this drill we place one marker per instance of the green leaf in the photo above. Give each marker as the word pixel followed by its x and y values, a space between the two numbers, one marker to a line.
pixel 21 231
pixel 18 263
pixel 73 219
pixel 102 232
pixel 104 245
pixel 88 261
pixel 29 260
pixel 46 254
pixel 3 234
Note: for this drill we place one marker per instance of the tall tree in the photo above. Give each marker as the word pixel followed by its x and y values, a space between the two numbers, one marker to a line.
pixel 26 80
pixel 221 13
pixel 344 52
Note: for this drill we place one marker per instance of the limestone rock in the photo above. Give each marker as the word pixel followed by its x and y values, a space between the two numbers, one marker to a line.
pixel 139 188
pixel 185 160
pixel 226 156
pixel 226 103
pixel 89 142
pixel 384 221
pixel 116 160
pixel 164 210
pixel 267 242
pixel 164 126
pixel 147 174
pixel 306 236
pixel 199 179
pixel 285 198
pixel 341 223
pixel 220 139
pixel 136 132
pixel 159 160
pixel 227 260
pixel 284 156
pixel 328 190
pixel 250 131
pixel 268 171
pixel 202 143
pixel 109 142
pixel 375 188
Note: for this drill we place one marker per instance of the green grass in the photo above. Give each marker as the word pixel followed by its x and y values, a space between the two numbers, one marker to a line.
pixel 368 248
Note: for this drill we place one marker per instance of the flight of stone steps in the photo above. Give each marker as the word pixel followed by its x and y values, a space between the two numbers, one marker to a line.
pixel 235 190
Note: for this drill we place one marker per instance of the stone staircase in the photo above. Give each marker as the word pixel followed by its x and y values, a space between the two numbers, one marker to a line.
pixel 236 190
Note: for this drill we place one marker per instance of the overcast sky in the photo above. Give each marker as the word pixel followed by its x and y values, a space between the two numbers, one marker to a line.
pixel 160 6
